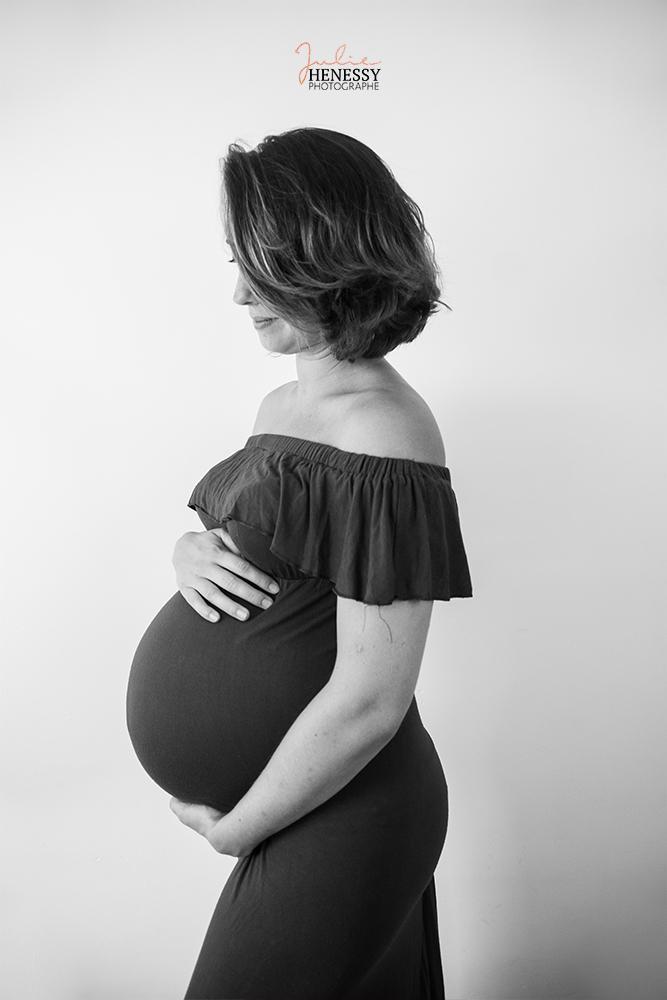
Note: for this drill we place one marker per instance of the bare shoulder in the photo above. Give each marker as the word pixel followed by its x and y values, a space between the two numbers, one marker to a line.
pixel 394 424
pixel 390 421
pixel 271 407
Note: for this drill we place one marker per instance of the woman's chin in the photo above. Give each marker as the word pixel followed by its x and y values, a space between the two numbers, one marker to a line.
pixel 278 340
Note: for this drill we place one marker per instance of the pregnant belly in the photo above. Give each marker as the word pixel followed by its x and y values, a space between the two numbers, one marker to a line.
pixel 208 703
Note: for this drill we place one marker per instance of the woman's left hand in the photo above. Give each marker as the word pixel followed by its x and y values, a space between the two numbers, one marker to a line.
pixel 209 822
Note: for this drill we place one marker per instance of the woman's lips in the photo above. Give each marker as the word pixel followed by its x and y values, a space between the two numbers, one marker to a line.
pixel 264 322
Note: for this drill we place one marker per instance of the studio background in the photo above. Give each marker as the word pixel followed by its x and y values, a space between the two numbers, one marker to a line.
pixel 532 136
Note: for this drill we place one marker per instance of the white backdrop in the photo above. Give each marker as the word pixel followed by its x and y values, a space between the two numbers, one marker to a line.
pixel 532 136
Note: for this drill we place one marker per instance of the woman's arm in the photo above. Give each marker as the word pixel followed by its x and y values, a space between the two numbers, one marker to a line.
pixel 346 724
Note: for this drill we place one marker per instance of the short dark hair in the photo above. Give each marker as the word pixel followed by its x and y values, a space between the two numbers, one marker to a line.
pixel 324 234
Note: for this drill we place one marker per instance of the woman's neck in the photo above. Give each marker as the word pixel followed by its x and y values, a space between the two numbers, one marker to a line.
pixel 319 374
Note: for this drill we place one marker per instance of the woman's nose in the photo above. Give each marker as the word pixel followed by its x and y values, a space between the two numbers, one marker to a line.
pixel 243 294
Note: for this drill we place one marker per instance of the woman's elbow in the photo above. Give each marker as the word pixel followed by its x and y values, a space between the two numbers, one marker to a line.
pixel 379 713
pixel 390 712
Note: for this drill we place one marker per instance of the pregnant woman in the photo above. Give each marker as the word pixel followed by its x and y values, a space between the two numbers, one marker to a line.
pixel 282 719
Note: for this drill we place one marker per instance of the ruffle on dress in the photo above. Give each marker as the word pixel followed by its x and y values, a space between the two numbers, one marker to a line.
pixel 379 529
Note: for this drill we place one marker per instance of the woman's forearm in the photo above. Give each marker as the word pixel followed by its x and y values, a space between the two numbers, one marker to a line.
pixel 325 747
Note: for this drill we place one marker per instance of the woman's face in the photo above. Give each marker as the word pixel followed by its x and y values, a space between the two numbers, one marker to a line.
pixel 275 334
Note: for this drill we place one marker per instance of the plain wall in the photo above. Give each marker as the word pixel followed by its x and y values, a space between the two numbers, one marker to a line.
pixel 532 136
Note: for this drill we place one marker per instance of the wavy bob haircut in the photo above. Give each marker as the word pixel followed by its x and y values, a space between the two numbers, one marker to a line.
pixel 325 236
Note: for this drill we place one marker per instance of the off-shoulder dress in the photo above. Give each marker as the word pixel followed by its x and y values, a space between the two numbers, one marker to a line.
pixel 341 904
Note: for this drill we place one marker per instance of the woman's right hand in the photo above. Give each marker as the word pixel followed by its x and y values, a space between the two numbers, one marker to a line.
pixel 205 562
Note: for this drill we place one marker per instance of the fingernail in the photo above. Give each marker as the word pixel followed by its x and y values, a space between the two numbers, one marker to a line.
pixel 242 613
pixel 266 603
pixel 274 588
pixel 212 615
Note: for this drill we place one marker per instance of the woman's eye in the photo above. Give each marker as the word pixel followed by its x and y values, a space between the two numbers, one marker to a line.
pixel 232 261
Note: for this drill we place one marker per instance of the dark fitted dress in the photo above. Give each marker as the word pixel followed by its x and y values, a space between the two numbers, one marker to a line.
pixel 341 904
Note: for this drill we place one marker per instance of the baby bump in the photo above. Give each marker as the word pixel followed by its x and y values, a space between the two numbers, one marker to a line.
pixel 208 703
